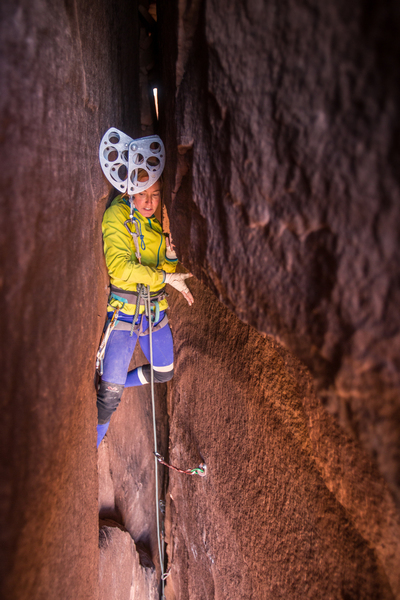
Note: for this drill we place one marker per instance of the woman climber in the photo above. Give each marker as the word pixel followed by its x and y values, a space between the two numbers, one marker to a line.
pixel 137 255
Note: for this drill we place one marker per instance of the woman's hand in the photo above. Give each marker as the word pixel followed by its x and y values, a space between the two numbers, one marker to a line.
pixel 170 251
pixel 177 280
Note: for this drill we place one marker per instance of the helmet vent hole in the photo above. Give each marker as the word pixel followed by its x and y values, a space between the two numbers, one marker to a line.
pixel 138 159
pixel 110 154
pixel 119 173
pixel 155 147
pixel 139 178
pixel 113 137
pixel 153 163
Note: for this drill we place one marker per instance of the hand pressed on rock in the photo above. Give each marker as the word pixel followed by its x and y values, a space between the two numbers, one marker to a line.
pixel 177 280
pixel 170 252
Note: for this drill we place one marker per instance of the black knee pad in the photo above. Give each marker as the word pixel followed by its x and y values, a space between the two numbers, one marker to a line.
pixel 163 376
pixel 108 399
pixel 159 376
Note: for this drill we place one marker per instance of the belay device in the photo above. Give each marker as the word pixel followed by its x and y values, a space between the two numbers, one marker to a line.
pixel 122 159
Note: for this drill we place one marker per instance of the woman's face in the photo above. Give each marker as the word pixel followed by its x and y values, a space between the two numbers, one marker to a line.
pixel 146 202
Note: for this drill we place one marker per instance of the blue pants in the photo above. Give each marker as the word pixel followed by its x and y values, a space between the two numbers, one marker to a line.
pixel 117 357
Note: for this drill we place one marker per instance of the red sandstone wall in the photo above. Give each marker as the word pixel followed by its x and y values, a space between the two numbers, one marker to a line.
pixel 291 507
pixel 286 183
pixel 284 202
pixel 66 75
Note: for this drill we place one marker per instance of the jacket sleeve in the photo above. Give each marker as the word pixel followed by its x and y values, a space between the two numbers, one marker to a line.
pixel 170 265
pixel 119 253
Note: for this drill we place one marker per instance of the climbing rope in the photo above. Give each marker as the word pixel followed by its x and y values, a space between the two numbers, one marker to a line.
pixel 153 406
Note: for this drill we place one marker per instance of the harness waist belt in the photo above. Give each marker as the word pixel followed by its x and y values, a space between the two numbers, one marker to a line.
pixel 131 297
pixel 126 326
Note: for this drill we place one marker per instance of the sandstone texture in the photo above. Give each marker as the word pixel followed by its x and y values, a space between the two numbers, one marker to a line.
pixel 282 121
pixel 66 76
pixel 291 506
pixel 285 186
pixel 121 575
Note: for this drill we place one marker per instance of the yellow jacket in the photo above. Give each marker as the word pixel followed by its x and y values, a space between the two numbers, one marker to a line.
pixel 119 250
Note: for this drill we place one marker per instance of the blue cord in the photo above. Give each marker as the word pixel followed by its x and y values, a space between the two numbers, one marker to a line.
pixel 142 244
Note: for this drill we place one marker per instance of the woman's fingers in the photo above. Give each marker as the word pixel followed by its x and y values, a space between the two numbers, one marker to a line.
pixel 188 296
pixel 169 243
pixel 187 293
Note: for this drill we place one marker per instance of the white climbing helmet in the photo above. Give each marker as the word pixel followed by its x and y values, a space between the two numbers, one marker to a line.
pixel 131 165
